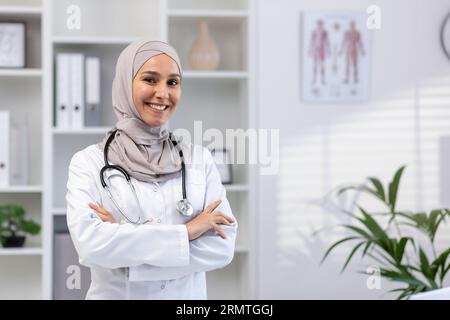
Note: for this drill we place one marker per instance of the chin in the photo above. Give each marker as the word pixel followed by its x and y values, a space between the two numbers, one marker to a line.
pixel 153 123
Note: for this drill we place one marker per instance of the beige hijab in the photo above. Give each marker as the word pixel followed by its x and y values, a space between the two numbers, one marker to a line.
pixel 145 152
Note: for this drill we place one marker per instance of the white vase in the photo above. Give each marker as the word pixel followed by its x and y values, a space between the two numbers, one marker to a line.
pixel 204 54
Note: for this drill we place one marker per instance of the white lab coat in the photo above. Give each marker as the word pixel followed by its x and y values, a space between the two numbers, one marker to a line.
pixel 155 260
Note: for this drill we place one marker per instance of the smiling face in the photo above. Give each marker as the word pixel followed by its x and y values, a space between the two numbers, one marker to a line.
pixel 157 90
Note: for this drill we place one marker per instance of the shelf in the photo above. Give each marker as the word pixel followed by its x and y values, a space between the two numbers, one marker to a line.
pixel 20 10
pixel 83 131
pixel 228 34
pixel 59 211
pixel 21 189
pixel 20 251
pixel 20 72
pixel 208 13
pixel 215 74
pixel 236 187
pixel 93 40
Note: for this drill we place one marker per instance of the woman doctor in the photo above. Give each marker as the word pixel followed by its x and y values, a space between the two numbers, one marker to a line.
pixel 135 241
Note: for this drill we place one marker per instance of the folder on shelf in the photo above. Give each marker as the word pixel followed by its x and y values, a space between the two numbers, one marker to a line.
pixel 4 148
pixel 92 112
pixel 77 87
pixel 19 155
pixel 62 110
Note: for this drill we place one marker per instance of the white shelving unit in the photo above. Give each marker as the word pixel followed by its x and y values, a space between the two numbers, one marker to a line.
pixel 21 252
pixel 220 99
pixel 21 269
pixel 215 75
pixel 92 40
pixel 21 10
pixel 31 72
pixel 84 131
pixel 21 189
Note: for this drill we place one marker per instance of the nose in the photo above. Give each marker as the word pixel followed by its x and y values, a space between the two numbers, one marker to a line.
pixel 161 91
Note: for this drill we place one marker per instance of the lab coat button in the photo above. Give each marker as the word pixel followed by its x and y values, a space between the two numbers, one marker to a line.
pixel 159 220
pixel 155 189
pixel 162 287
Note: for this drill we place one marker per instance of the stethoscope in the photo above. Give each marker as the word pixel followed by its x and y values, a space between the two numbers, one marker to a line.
pixel 184 207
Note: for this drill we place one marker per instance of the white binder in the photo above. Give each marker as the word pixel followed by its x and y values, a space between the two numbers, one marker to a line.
pixel 77 94
pixel 19 155
pixel 62 111
pixel 92 112
pixel 4 148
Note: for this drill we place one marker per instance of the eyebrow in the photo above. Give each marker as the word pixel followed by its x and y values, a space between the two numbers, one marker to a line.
pixel 154 73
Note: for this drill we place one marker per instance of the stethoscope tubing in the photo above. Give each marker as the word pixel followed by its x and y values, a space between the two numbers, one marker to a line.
pixel 187 211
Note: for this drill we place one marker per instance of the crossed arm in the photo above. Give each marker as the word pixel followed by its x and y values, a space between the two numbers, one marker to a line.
pixel 205 243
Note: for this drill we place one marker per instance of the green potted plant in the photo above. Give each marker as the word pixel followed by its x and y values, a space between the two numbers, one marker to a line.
pixel 14 226
pixel 383 236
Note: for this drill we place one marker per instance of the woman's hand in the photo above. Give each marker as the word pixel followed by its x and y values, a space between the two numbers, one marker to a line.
pixel 208 220
pixel 102 213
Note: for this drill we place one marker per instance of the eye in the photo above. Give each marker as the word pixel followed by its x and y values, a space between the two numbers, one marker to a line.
pixel 149 80
pixel 173 82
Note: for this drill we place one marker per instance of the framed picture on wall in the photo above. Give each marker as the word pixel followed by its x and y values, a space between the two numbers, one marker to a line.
pixel 12 44
pixel 335 57
pixel 222 159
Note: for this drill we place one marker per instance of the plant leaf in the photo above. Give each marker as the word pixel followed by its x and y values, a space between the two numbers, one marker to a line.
pixel 30 227
pixel 426 269
pixel 341 190
pixel 440 263
pixel 351 254
pixel 400 248
pixel 372 225
pixel 361 188
pixel 359 231
pixel 335 245
pixel 366 248
pixel 393 188
pixel 396 276
pixel 379 188
pixel 379 235
pixel 434 220
pixel 408 291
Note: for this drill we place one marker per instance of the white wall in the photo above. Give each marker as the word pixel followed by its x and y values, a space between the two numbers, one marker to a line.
pixel 325 145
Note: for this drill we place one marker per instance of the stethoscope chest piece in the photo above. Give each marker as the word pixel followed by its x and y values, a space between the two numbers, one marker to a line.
pixel 185 208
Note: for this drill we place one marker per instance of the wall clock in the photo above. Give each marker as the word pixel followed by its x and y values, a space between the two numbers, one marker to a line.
pixel 445 35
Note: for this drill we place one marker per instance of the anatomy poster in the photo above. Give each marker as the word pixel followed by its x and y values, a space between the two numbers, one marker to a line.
pixel 335 57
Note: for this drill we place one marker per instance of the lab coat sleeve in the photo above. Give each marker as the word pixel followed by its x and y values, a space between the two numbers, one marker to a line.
pixel 209 251
pixel 114 245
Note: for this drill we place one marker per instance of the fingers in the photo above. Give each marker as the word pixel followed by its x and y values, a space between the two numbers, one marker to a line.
pixel 219 231
pixel 96 207
pixel 212 206
pixel 228 219
pixel 221 220
pixel 101 212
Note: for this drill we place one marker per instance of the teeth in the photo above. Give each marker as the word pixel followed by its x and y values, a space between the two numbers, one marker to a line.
pixel 157 107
